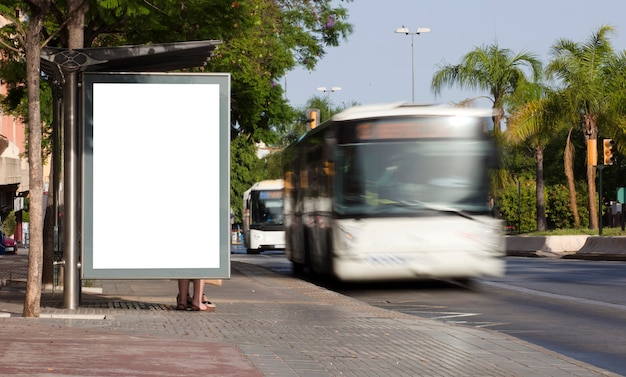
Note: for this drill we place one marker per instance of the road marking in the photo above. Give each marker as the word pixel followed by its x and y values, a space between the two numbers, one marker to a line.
pixel 554 295
pixel 449 315
pixel 454 318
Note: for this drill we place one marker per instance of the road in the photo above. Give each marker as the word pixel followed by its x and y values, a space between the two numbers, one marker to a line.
pixel 573 307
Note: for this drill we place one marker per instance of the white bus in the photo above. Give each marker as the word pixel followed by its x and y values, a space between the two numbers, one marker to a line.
pixel 394 192
pixel 263 227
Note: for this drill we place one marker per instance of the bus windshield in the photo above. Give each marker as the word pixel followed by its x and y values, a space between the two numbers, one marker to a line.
pixel 267 207
pixel 400 177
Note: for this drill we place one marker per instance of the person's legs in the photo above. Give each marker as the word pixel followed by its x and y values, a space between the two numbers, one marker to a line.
pixel 198 290
pixel 198 293
pixel 183 292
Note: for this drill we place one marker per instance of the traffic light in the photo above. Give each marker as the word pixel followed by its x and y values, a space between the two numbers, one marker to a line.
pixel 314 118
pixel 608 151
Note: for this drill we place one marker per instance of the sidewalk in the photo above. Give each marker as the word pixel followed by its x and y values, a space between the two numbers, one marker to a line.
pixel 265 324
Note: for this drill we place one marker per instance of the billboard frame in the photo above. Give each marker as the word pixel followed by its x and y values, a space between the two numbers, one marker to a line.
pixel 140 243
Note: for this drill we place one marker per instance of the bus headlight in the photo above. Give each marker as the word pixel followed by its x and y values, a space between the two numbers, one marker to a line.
pixel 349 236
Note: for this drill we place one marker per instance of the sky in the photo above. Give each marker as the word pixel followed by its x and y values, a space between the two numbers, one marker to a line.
pixel 374 64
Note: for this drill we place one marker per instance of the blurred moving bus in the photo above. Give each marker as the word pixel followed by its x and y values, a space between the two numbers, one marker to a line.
pixel 263 216
pixel 394 192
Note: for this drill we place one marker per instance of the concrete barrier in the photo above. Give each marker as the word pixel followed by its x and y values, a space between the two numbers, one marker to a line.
pixel 544 246
pixel 578 247
pixel 600 247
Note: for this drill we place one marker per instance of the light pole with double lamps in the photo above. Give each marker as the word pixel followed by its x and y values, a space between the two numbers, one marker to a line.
pixel 405 30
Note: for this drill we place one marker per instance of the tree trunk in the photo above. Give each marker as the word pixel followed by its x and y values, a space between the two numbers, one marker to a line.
pixel 32 299
pixel 77 10
pixel 590 130
pixel 568 163
pixel 497 118
pixel 541 200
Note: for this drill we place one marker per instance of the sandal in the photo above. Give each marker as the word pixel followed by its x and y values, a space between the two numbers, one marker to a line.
pixel 208 308
pixel 180 305
pixel 205 300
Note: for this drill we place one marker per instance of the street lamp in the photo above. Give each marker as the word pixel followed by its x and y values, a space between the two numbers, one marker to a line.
pixel 328 91
pixel 405 30
pixel 332 89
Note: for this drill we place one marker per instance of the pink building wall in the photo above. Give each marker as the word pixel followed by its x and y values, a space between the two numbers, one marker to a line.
pixel 12 128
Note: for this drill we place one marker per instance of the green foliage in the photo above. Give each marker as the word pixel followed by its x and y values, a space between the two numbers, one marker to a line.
pixel 25 215
pixel 9 224
pixel 553 156
pixel 272 165
pixel 592 90
pixel 262 41
pixel 558 211
pixel 490 69
pixel 244 172
pixel 522 210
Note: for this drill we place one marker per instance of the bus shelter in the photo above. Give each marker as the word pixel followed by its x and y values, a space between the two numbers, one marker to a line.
pixel 105 100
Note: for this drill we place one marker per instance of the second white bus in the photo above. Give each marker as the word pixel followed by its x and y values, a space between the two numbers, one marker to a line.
pixel 263 226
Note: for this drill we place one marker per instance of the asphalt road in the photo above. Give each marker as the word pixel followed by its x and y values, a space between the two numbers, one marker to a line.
pixel 573 307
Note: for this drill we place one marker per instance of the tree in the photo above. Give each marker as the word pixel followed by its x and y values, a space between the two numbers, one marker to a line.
pixel 38 10
pixel 586 73
pixel 263 40
pixel 244 171
pixel 534 121
pixel 492 69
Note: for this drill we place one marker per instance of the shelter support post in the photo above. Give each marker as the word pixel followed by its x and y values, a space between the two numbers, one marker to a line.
pixel 71 279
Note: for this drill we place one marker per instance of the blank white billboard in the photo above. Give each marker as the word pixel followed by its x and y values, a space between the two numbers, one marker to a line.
pixel 156 176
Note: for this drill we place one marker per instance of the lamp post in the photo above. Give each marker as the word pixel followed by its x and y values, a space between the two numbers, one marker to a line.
pixel 328 91
pixel 332 89
pixel 405 30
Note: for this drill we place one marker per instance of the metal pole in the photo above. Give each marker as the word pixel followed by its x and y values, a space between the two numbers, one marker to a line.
pixel 412 70
pixel 519 212
pixel 600 167
pixel 405 30
pixel 71 281
pixel 621 217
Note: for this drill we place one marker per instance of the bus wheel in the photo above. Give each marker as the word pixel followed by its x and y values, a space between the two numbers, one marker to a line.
pixel 298 268
pixel 253 251
pixel 464 282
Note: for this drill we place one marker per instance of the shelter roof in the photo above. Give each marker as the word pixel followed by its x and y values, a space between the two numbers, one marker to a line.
pixel 136 58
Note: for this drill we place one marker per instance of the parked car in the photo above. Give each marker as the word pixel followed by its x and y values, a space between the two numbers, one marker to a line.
pixel 8 244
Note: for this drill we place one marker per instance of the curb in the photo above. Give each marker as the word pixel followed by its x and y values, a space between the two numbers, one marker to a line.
pixel 567 247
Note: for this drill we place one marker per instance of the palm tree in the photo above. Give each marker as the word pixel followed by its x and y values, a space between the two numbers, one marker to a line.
pixel 489 68
pixel 587 74
pixel 534 120
pixel 616 86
